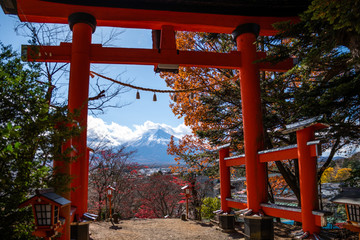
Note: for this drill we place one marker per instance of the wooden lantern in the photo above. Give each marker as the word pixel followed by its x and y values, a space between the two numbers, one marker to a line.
pixel 109 192
pixel 46 207
pixel 187 190
pixel 351 199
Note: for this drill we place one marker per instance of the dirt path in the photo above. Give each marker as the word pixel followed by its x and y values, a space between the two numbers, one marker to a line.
pixel 175 229
pixel 158 229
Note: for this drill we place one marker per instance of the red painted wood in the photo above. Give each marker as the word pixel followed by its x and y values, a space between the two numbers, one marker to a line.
pixel 78 101
pixel 287 214
pixel 152 57
pixel 237 205
pixel 291 214
pixel 225 191
pixel 285 154
pixel 99 54
pixel 279 155
pixel 235 162
pixel 168 41
pixel 47 12
pixel 308 180
pixel 282 154
pixel 252 121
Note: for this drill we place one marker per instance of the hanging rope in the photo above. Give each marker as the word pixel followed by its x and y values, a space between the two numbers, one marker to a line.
pixel 92 73
pixel 146 89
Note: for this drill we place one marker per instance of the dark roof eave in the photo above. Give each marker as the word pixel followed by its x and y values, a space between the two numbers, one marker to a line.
pixel 275 8
pixel 9 6
pixel 348 197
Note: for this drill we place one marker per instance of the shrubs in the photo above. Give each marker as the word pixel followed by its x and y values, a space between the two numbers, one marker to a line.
pixel 209 205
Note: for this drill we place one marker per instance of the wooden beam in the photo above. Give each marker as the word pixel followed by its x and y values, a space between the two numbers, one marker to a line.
pixel 107 55
pixel 50 12
pixel 276 154
pixel 235 160
pixel 291 213
pixel 233 203
pixel 285 153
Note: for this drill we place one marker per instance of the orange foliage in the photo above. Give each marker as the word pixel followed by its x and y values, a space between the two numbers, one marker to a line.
pixel 189 105
pixel 190 145
pixel 278 184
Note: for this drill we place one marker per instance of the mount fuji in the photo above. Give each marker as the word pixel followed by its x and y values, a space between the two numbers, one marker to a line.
pixel 151 147
pixel 149 141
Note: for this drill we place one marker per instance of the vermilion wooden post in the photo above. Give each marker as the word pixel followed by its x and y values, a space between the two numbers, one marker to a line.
pixel 110 215
pixel 308 180
pixel 187 207
pixel 86 177
pixel 225 191
pixel 82 25
pixel 245 36
pixel 62 167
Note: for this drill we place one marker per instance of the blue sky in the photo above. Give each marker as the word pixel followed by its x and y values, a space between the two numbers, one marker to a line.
pixel 138 112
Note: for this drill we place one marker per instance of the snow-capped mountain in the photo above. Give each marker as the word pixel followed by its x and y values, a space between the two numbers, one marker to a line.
pixel 153 137
pixel 151 147
pixel 149 140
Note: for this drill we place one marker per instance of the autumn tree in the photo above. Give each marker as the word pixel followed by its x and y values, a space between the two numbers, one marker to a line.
pixel 215 112
pixel 342 174
pixel 326 44
pixel 328 175
pixel 325 82
pixel 111 167
pixel 197 155
pixel 200 161
pixel 159 195
pixel 354 164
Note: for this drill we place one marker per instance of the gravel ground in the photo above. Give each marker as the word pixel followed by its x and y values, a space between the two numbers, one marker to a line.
pixel 176 229
pixel 159 229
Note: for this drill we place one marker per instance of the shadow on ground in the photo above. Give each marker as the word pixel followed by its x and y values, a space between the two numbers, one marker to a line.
pixel 232 234
pixel 115 227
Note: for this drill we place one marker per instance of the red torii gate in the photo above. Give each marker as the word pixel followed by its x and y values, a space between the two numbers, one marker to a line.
pixel 244 20
pixel 306 151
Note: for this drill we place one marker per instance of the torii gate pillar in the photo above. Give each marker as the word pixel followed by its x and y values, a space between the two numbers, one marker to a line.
pixel 82 25
pixel 308 180
pixel 245 36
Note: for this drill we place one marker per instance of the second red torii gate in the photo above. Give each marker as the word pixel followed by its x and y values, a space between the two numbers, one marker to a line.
pixel 306 151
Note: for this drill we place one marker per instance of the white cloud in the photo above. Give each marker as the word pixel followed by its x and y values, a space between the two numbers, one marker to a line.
pixel 117 134
pixel 178 131
pixel 181 130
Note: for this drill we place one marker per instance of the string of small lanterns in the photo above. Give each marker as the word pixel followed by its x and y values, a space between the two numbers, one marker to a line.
pixel 92 74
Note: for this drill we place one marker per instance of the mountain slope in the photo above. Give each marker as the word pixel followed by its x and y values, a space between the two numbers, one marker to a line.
pixel 151 147
pixel 150 144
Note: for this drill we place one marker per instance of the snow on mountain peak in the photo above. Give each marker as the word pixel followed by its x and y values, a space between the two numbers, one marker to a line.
pixel 150 140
